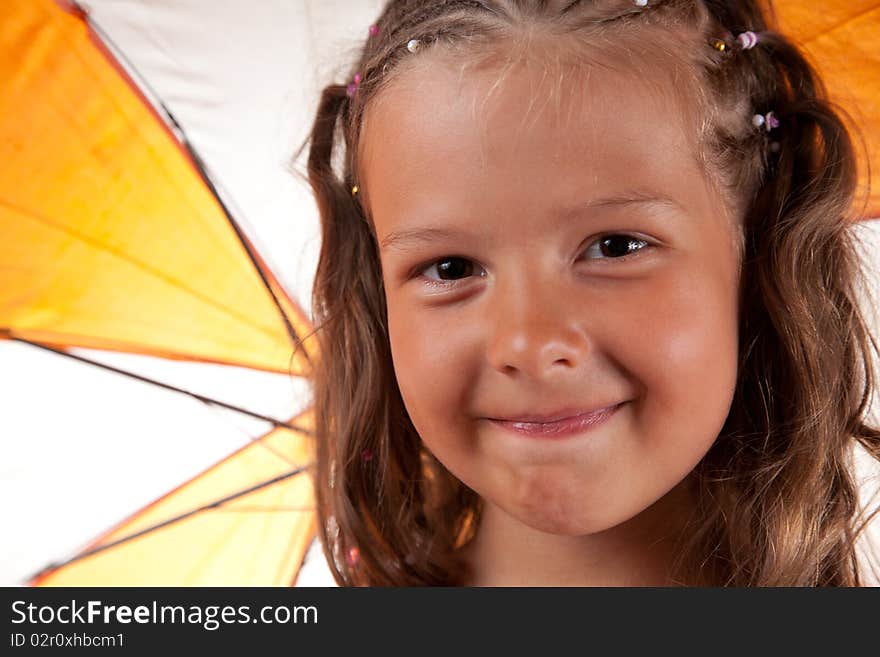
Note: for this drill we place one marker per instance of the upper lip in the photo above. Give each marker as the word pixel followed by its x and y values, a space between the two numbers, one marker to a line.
pixel 553 416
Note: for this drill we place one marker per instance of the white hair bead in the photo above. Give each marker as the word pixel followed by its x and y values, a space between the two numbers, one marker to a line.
pixel 413 44
pixel 747 40
pixel 641 3
pixel 757 120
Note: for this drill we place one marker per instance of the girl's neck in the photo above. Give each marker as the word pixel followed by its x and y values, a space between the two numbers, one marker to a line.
pixel 638 552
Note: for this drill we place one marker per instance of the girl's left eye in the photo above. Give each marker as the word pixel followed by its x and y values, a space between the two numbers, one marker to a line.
pixel 620 246
pixel 616 246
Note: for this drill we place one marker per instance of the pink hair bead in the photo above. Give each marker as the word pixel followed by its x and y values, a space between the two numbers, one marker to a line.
pixel 769 121
pixel 374 30
pixel 352 557
pixel 351 89
pixel 747 40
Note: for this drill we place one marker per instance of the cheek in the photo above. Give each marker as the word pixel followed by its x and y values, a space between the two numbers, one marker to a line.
pixel 433 355
pixel 685 354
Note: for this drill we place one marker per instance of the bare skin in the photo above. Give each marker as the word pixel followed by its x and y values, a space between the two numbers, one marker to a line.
pixel 523 310
pixel 635 553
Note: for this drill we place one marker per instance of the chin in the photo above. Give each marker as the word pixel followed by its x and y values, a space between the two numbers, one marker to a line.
pixel 548 526
pixel 561 521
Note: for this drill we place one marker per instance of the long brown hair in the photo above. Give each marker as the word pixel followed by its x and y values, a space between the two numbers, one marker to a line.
pixel 777 498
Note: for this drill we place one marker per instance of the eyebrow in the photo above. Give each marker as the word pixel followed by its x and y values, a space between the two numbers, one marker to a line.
pixel 399 240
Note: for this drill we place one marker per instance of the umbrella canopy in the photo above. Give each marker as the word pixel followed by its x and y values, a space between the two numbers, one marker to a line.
pixel 839 37
pixel 118 237
pixel 119 243
pixel 150 224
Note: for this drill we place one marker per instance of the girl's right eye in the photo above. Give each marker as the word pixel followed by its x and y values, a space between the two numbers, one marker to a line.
pixel 450 270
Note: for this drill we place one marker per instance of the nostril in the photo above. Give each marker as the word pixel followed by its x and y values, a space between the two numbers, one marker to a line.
pixel 539 345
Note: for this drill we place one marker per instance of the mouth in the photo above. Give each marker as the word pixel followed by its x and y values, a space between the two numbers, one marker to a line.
pixel 559 427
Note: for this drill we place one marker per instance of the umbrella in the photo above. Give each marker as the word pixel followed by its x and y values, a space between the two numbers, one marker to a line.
pixel 150 253
pixel 160 261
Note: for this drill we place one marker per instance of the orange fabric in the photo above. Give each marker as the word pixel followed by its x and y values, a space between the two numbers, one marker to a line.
pixel 841 39
pixel 258 539
pixel 110 238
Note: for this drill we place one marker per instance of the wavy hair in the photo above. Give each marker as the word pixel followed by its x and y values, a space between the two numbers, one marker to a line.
pixel 778 501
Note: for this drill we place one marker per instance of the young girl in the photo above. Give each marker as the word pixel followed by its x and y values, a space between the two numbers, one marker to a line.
pixel 587 301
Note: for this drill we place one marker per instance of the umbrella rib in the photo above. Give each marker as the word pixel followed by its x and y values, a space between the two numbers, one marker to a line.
pixel 170 521
pixel 167 386
pixel 184 141
pixel 267 509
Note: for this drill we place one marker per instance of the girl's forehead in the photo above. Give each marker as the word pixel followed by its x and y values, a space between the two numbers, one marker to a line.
pixel 539 77
pixel 534 123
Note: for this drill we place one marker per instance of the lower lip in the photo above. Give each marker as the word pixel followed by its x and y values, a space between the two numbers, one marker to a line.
pixel 560 428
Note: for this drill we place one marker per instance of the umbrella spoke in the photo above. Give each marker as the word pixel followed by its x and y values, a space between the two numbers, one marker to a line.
pixel 216 504
pixel 264 509
pixel 202 398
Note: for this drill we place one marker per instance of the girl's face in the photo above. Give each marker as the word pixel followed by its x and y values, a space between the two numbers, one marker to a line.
pixel 493 201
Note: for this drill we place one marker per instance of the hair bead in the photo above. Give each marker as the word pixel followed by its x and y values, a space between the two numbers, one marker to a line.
pixel 413 45
pixel 641 3
pixel 352 557
pixel 747 40
pixel 719 44
pixel 768 120
pixel 352 88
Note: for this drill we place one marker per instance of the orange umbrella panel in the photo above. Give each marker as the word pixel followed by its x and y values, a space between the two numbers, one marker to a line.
pixel 111 238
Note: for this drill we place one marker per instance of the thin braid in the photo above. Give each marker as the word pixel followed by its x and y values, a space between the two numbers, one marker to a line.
pixel 426 12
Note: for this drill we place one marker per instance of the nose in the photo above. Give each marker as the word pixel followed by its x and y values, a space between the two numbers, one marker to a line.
pixel 537 330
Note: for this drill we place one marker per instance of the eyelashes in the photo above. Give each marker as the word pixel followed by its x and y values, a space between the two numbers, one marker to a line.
pixel 617 242
pixel 621 246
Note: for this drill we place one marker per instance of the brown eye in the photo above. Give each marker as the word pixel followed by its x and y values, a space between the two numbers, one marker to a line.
pixel 616 247
pixel 451 268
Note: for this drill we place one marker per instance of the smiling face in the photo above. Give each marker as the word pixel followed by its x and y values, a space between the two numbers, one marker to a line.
pixel 543 255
